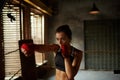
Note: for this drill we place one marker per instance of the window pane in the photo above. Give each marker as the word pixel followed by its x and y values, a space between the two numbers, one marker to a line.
pixel 37 32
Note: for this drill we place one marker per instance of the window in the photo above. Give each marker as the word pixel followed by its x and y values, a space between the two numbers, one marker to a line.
pixel 11 35
pixel 37 33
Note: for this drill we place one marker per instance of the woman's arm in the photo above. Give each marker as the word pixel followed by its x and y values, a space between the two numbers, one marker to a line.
pixel 46 47
pixel 72 68
pixel 76 62
pixel 28 49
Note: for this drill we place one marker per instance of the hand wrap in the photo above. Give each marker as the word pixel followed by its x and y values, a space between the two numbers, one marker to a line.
pixel 27 49
pixel 65 51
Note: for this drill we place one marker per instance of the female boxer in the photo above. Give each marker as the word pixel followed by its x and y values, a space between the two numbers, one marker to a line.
pixel 67 57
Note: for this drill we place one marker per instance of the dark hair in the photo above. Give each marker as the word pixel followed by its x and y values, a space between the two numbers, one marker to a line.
pixel 66 30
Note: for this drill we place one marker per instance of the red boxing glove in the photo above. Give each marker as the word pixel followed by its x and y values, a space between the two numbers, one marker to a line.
pixel 65 52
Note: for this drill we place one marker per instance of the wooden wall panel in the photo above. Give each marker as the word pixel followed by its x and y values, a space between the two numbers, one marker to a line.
pixel 102 44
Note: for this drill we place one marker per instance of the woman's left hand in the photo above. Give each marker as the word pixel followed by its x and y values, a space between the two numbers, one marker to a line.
pixel 65 51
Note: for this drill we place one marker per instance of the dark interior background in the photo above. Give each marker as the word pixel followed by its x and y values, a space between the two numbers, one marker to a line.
pixel 75 13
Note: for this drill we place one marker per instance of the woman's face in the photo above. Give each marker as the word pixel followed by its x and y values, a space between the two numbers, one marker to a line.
pixel 62 38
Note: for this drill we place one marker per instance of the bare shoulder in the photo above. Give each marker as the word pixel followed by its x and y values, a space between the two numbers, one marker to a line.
pixel 78 53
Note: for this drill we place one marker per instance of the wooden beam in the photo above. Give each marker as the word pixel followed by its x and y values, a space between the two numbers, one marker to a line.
pixel 40 6
pixel 37 4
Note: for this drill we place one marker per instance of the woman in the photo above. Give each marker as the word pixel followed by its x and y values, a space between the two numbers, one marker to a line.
pixel 67 57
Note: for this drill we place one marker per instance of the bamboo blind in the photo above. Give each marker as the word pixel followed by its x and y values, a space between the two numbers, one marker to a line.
pixel 11 35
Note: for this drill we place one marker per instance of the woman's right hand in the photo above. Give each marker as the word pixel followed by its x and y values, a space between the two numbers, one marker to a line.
pixel 27 49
